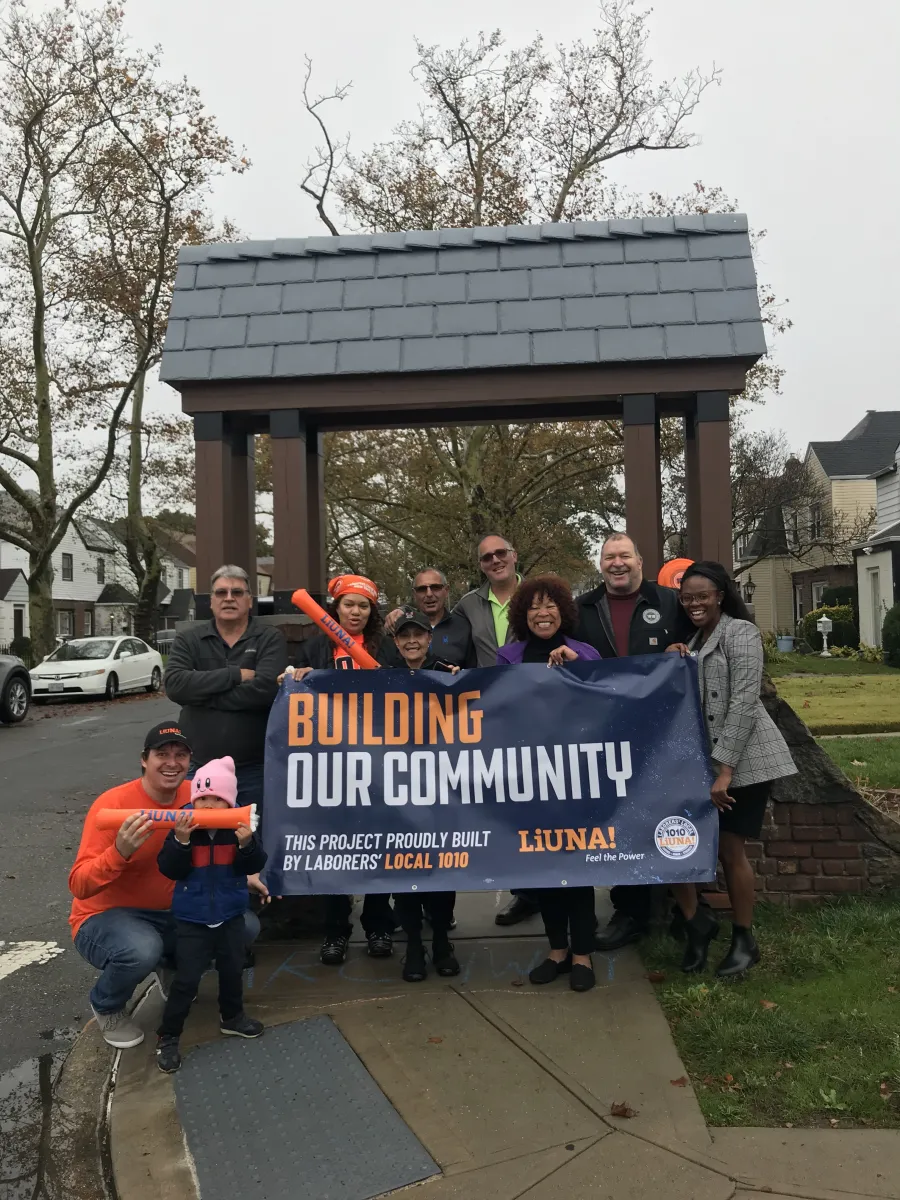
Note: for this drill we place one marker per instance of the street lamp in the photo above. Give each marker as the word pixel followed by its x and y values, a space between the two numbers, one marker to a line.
pixel 749 589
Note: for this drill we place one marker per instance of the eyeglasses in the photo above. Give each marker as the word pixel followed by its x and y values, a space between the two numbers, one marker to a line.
pixel 224 593
pixel 422 588
pixel 500 555
pixel 697 598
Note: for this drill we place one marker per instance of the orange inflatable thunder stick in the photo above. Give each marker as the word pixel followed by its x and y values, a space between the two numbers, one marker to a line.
pixel 204 818
pixel 303 600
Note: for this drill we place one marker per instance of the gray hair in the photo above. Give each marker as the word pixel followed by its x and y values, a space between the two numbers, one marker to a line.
pixel 434 571
pixel 490 534
pixel 229 571
pixel 619 535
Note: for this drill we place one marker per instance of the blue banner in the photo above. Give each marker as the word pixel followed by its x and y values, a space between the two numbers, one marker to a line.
pixel 515 776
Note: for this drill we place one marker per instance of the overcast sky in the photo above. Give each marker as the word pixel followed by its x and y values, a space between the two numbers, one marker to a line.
pixel 803 132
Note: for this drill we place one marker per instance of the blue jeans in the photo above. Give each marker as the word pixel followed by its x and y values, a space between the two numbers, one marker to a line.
pixel 126 945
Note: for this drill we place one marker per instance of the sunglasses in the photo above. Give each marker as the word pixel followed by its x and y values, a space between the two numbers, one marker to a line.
pixel 500 555
pixel 422 588
pixel 223 593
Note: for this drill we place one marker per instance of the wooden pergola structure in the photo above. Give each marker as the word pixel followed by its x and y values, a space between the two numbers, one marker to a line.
pixel 634 320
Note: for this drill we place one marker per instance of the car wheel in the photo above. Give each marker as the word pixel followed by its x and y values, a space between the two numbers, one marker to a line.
pixel 112 687
pixel 14 701
pixel 155 680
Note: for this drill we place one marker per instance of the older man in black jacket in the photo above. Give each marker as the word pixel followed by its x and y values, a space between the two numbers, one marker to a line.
pixel 224 674
pixel 627 615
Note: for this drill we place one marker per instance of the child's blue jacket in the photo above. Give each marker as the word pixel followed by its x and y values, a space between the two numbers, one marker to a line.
pixel 210 874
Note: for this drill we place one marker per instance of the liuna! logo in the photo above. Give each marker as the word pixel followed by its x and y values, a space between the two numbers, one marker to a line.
pixel 676 837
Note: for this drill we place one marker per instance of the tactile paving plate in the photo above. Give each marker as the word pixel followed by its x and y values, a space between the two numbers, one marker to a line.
pixel 293 1114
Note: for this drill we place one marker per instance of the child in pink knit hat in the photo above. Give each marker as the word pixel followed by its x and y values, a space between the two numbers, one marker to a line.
pixel 210 869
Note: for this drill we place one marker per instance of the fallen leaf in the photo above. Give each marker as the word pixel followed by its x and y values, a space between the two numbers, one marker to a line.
pixel 13 877
pixel 806 704
pixel 778 1074
pixel 517 982
pixel 885 1091
pixel 681 1081
pixel 708 1079
pixel 436 1039
pixel 833 1122
pixel 854 762
pixel 622 1109
pixel 891 987
pixel 789 1125
pixel 790 1066
pixel 768 1004
pixel 656 976
pixel 728 1078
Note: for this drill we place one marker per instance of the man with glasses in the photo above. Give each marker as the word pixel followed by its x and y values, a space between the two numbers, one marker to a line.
pixel 224 674
pixel 451 634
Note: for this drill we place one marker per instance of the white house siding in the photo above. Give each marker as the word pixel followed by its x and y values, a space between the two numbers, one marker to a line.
pixel 866 566
pixel 888 502
pixel 16 597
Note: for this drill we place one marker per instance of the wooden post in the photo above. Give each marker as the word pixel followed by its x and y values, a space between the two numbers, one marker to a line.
pixel 212 452
pixel 242 549
pixel 714 475
pixel 643 488
pixel 692 485
pixel 290 497
pixel 315 492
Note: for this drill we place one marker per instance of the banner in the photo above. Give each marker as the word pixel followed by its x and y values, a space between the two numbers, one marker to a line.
pixel 515 776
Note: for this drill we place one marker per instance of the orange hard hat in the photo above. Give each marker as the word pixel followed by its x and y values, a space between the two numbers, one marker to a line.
pixel 671 572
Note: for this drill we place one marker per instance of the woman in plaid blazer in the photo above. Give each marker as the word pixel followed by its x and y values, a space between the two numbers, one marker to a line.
pixel 747 751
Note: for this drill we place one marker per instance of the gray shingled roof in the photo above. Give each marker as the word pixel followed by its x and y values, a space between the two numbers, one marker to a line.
pixel 877 424
pixel 651 289
pixel 856 457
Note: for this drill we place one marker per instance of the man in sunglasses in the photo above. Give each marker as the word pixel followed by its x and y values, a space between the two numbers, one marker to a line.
pixel 451 634
pixel 224 674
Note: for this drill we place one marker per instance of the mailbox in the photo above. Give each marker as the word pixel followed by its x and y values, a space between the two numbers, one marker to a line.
pixel 824 624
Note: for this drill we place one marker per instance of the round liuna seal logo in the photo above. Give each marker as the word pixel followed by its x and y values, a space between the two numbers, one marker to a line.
pixel 651 616
pixel 676 837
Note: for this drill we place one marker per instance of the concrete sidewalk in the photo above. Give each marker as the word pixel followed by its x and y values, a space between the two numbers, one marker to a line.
pixel 508 1086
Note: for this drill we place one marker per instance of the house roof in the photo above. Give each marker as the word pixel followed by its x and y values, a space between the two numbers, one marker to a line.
pixel 891 533
pixel 116 593
pixel 8 576
pixel 857 457
pixel 877 425
pixel 181 602
pixel 96 535
pixel 769 539
pixel 176 544
pixel 650 289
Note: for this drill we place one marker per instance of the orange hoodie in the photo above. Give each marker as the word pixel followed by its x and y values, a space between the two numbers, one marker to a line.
pixel 101 878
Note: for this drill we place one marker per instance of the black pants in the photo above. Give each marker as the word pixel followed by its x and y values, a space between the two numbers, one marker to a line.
pixel 532 895
pixel 633 900
pixel 376 915
pixel 568 915
pixel 440 910
pixel 195 945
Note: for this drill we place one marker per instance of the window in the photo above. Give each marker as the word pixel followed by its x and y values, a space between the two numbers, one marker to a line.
pixel 818 592
pixel 798 602
pixel 68 569
pixel 180 574
pixel 65 618
pixel 101 570
pixel 18 622
pixel 89 618
pixel 815 522
pixel 740 547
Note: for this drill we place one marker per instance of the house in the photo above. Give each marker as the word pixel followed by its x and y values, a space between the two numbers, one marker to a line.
pixel 799 552
pixel 179 553
pixel 877 559
pixel 14 618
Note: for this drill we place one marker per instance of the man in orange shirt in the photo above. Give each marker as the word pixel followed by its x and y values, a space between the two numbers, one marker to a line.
pixel 120 916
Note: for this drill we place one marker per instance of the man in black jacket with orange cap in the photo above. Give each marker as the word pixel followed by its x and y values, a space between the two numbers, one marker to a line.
pixel 627 615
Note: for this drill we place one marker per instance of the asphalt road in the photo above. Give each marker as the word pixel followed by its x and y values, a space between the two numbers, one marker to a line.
pixel 52 767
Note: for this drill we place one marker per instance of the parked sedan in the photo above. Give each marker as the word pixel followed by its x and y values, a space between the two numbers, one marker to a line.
pixel 97 666
pixel 15 689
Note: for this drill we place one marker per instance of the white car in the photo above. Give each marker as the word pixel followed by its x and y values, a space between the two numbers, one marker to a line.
pixel 97 666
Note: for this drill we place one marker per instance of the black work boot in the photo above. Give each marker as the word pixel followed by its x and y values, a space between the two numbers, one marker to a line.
pixel 700 931
pixel 743 954
pixel 415 969
pixel 445 961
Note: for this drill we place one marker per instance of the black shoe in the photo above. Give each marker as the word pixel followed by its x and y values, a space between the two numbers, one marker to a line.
pixel 700 930
pixel 677 923
pixel 168 1056
pixel 445 961
pixel 620 931
pixel 415 968
pixel 334 951
pixel 548 970
pixel 743 955
pixel 241 1026
pixel 518 909
pixel 381 945
pixel 583 978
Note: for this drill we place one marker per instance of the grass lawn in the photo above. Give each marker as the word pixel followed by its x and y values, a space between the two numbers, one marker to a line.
pixel 843 703
pixel 811 1036
pixel 869 762
pixel 811 664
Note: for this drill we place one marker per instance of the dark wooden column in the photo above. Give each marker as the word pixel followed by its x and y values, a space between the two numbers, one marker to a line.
pixel 243 503
pixel 290 498
pixel 692 484
pixel 714 476
pixel 212 450
pixel 643 490
pixel 315 502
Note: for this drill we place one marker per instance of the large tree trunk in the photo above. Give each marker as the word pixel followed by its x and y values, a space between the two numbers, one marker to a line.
pixel 40 603
pixel 141 549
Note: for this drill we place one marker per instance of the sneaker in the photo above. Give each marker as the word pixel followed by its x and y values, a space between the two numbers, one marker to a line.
pixel 334 951
pixel 118 1029
pixel 168 1056
pixel 445 961
pixel 414 966
pixel 241 1026
pixel 381 945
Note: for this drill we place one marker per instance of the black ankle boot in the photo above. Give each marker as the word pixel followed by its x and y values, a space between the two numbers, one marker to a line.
pixel 700 931
pixel 744 953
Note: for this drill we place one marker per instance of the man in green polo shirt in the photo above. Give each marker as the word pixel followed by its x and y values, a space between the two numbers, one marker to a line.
pixel 487 611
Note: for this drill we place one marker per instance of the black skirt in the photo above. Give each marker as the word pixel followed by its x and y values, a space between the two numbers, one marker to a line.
pixel 746 816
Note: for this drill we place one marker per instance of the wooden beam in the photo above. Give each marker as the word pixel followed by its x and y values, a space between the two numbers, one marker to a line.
pixel 241 548
pixel 289 501
pixel 315 509
pixel 212 452
pixel 692 485
pixel 643 488
pixel 714 475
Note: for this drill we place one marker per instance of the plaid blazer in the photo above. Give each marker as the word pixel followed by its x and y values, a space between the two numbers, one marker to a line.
pixel 741 733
